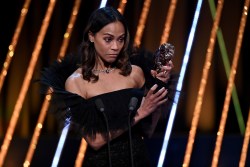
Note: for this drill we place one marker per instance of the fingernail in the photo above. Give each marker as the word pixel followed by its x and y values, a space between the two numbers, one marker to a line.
pixel 162 88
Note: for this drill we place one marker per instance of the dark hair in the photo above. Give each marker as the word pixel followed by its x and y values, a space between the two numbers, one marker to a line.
pixel 98 19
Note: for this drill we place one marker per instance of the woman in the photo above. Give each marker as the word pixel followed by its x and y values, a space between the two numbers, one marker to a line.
pixel 97 95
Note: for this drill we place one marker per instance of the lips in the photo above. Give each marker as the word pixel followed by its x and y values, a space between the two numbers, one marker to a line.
pixel 112 55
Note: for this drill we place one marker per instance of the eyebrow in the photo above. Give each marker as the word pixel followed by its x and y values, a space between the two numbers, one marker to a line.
pixel 113 35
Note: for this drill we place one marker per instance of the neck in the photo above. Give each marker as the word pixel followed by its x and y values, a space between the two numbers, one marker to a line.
pixel 101 64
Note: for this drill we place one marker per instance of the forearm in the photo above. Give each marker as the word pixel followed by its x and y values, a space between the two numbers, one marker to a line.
pixel 100 140
pixel 148 105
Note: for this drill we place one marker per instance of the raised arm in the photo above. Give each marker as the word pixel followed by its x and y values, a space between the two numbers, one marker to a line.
pixel 150 102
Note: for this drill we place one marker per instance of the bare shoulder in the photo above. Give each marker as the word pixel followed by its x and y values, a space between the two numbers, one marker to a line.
pixel 136 69
pixel 73 81
pixel 138 75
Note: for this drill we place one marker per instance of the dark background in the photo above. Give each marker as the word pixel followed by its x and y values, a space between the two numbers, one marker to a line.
pixel 214 94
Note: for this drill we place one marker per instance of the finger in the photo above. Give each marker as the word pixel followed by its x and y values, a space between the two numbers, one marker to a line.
pixel 162 98
pixel 152 89
pixel 153 73
pixel 160 92
pixel 162 101
pixel 164 94
pixel 166 68
pixel 170 64
pixel 163 75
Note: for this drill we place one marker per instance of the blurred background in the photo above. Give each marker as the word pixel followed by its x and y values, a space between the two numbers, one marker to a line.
pixel 214 95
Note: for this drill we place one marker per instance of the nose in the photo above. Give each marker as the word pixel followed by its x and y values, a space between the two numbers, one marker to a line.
pixel 115 45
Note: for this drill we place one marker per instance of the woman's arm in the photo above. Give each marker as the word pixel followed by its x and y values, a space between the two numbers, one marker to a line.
pixel 149 103
pixel 163 75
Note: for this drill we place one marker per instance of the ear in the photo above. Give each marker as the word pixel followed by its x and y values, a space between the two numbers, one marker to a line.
pixel 91 36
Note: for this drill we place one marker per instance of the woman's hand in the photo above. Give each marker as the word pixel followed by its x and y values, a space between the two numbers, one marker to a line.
pixel 164 74
pixel 152 101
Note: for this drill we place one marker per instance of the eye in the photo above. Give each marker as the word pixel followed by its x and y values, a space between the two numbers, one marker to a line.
pixel 121 39
pixel 107 39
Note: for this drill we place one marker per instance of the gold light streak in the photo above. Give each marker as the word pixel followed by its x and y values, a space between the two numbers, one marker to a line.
pixel 122 6
pixel 70 27
pixel 141 26
pixel 221 130
pixel 37 131
pixel 243 155
pixel 26 83
pixel 168 22
pixel 12 46
pixel 81 153
pixel 46 103
pixel 205 72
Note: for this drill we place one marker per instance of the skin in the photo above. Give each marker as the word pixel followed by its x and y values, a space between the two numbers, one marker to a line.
pixel 108 43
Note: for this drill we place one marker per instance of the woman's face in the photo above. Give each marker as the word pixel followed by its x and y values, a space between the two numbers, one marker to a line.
pixel 109 41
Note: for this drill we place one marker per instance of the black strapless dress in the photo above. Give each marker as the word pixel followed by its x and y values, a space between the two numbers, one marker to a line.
pixel 88 120
pixel 116 109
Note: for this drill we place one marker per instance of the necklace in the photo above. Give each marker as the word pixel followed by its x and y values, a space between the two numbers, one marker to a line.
pixel 107 70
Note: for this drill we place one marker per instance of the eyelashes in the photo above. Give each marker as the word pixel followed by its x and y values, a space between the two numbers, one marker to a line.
pixel 109 39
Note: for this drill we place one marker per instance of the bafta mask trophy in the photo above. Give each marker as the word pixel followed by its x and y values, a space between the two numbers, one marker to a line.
pixel 163 55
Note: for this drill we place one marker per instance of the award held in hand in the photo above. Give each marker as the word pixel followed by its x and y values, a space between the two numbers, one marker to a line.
pixel 163 55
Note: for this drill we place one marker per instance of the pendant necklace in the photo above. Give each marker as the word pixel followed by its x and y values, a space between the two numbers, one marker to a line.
pixel 106 71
